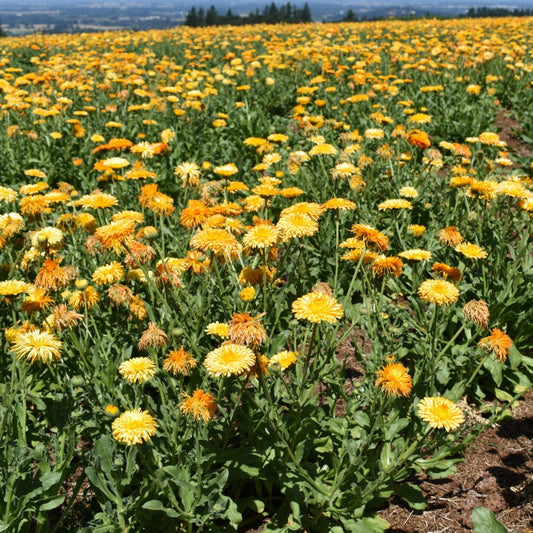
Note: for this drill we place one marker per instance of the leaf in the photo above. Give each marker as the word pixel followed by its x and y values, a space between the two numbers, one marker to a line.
pixel 485 522
pixel 156 505
pixel 495 369
pixel 52 503
pixel 412 495
pixel 503 396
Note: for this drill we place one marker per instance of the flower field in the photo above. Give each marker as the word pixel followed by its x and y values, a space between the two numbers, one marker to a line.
pixel 257 278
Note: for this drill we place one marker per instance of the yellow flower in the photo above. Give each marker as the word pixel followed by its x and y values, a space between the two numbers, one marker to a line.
pixel 134 427
pixel 200 405
pixel 341 204
pixel 261 236
pixel 137 369
pixel 37 345
pixel 107 274
pixel 471 250
pixel 317 307
pixel 220 329
pixel 229 359
pixel 415 255
pixel 440 412
pixel 323 149
pixel 284 358
pixel 218 241
pixel 226 170
pixel 438 291
pixel 14 287
pixel 408 192
pixel 394 203
pixel 296 225
pixel 416 229
pixel 247 294
pixel 394 379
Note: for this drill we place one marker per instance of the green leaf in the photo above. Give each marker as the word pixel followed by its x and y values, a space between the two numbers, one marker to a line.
pixel 412 495
pixel 502 395
pixel 515 357
pixel 485 522
pixel 495 369
pixel 52 503
pixel 156 505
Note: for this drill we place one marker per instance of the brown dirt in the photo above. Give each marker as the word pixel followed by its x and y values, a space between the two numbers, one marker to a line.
pixel 497 473
pixel 510 130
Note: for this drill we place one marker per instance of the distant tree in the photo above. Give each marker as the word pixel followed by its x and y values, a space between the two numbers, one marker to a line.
pixel 350 16
pixel 201 17
pixel 306 13
pixel 211 17
pixel 2 32
pixel 192 18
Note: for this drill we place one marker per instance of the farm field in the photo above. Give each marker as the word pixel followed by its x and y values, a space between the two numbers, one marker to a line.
pixel 264 278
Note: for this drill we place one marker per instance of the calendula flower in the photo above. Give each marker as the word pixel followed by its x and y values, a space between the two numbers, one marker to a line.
pixel 317 307
pixel 261 236
pixel 341 204
pixel 490 138
pixel 415 254
pixel 87 297
pixel 438 291
pixel 297 225
pixel 418 138
pixel 394 379
pixel 387 265
pixel 471 250
pixel 36 300
pixel 447 271
pixel 53 276
pixel 200 405
pixel 137 369
pixel 158 202
pixel 97 200
pixel 218 241
pixel 245 329
pixel 477 311
pixel 14 287
pixel 498 343
pixel 63 318
pixel 247 294
pixel 7 195
pixel 220 329
pixel 229 359
pixel 284 358
pixel 47 237
pixel 310 209
pixel 408 192
pixel 134 427
pixel 450 236
pixel 37 346
pixel 179 362
pixel 371 236
pixel 189 173
pixel 226 170
pixel 416 229
pixel 116 235
pixel 107 274
pixel 440 412
pixel 323 149
pixel 111 410
pixel 153 337
pixel 395 203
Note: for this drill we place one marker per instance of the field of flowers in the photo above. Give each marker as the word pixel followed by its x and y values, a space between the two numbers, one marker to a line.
pixel 256 277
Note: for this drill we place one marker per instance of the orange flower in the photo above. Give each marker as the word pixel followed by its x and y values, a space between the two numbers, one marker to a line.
pixel 394 379
pixel 200 405
pixel 418 138
pixel 153 199
pixel 498 343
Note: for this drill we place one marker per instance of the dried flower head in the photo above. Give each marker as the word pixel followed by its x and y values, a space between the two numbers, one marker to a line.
pixel 477 311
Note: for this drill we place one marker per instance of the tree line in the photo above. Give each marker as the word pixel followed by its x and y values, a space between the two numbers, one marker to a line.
pixel 271 14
